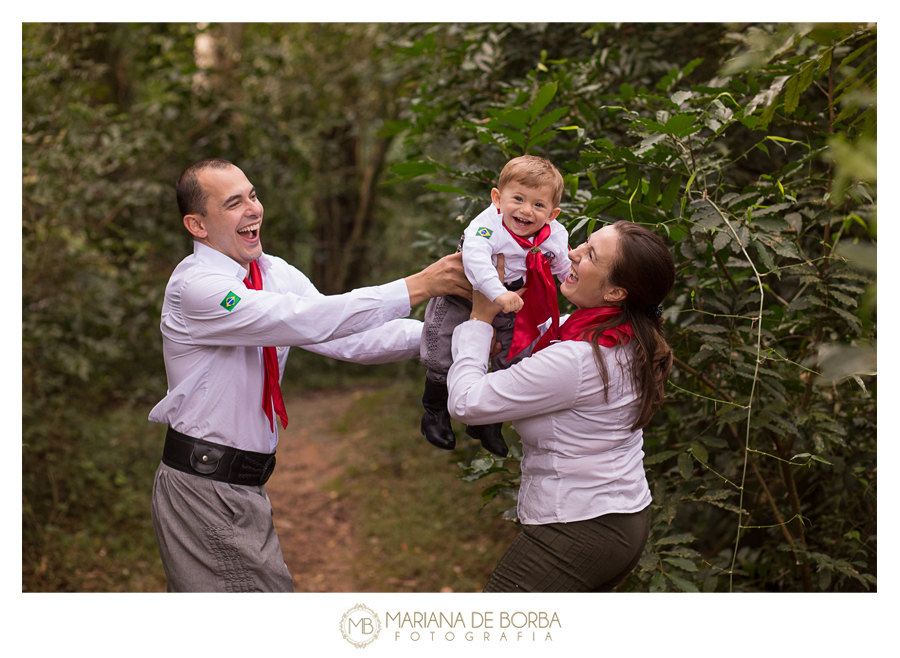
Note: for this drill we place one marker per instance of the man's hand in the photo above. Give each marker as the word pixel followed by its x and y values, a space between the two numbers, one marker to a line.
pixel 445 277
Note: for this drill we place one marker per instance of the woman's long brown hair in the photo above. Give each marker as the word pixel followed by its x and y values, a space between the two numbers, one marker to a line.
pixel 644 267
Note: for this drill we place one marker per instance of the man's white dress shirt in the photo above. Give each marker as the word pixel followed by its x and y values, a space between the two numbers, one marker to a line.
pixel 214 329
pixel 486 237
pixel 581 457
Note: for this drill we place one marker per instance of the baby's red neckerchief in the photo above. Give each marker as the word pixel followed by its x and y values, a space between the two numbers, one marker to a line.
pixel 539 298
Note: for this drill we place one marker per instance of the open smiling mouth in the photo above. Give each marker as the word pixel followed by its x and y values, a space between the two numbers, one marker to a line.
pixel 250 232
pixel 522 223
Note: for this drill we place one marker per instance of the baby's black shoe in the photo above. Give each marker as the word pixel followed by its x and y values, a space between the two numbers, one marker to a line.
pixel 436 419
pixel 490 436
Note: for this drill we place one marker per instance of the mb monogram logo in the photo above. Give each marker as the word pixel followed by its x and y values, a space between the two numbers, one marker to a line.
pixel 360 626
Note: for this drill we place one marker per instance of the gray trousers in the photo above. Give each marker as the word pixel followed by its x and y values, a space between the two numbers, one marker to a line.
pixel 442 316
pixel 583 556
pixel 216 537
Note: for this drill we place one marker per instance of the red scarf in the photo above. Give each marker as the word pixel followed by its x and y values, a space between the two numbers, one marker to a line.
pixel 540 293
pixel 577 325
pixel 271 387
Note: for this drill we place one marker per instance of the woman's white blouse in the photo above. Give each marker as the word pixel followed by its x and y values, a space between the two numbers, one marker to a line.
pixel 581 457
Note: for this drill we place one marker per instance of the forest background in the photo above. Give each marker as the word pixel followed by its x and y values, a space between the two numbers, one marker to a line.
pixel 750 148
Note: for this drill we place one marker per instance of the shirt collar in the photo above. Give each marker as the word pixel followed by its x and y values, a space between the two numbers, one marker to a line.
pixel 219 261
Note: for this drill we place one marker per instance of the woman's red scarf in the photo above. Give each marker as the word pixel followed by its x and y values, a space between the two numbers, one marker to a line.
pixel 575 327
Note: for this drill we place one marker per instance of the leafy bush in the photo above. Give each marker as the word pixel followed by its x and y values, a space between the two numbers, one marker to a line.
pixel 752 148
pixel 762 178
pixel 112 113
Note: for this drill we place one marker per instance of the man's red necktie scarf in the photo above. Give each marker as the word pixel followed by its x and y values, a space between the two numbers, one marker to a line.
pixel 580 321
pixel 271 387
pixel 539 299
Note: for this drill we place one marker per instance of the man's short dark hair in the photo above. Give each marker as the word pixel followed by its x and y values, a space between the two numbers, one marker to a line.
pixel 190 194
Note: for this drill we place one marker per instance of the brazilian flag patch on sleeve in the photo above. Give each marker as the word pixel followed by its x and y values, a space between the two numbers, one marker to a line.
pixel 484 232
pixel 231 300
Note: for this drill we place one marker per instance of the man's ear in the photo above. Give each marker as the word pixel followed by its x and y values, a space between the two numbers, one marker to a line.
pixel 495 197
pixel 196 225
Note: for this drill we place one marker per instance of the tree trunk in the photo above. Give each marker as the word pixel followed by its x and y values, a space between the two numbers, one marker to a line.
pixel 345 209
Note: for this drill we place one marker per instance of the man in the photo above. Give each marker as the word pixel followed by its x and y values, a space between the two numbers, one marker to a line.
pixel 229 316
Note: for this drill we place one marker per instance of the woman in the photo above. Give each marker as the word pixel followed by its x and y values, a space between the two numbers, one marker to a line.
pixel 579 405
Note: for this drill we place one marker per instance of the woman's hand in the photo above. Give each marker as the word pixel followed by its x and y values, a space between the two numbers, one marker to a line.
pixel 483 308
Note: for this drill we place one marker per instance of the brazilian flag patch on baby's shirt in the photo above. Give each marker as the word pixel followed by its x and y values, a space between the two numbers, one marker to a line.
pixel 231 300
pixel 484 232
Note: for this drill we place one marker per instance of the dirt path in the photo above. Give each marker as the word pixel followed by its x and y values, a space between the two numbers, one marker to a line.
pixel 314 526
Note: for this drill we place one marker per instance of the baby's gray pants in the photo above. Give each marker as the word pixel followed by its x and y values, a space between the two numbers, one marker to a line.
pixel 442 315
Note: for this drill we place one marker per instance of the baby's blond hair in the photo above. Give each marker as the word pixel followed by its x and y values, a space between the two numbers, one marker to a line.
pixel 532 171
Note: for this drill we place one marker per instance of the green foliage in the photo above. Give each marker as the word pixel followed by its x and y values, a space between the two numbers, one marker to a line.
pixel 752 148
pixel 502 475
pixel 762 464
pixel 112 113
pixel 85 504
pixel 106 129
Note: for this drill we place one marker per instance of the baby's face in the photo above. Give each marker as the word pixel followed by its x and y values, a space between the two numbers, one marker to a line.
pixel 525 209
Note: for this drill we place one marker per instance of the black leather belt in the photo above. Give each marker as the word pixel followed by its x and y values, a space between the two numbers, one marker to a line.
pixel 215 461
pixel 515 285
